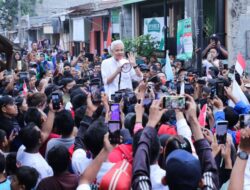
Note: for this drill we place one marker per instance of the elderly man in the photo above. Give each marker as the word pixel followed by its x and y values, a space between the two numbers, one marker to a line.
pixel 114 74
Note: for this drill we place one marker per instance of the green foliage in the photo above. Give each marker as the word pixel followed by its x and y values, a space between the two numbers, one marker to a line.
pixel 9 11
pixel 144 45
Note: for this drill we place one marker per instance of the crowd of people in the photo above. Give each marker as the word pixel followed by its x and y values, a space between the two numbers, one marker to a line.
pixel 116 122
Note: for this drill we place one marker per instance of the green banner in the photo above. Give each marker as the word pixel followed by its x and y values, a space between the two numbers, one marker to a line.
pixel 184 39
pixel 115 16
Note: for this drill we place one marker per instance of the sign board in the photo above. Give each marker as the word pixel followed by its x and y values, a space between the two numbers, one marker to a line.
pixel 155 27
pixel 184 39
pixel 48 29
pixel 78 30
pixel 115 19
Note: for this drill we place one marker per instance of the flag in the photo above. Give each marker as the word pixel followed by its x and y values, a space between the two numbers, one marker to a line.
pixel 240 65
pixel 168 69
pixel 182 91
pixel 109 37
pixel 238 93
pixel 25 89
pixel 203 115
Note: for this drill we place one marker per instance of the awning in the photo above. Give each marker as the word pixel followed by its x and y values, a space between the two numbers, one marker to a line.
pixel 98 13
pixel 61 14
pixel 125 2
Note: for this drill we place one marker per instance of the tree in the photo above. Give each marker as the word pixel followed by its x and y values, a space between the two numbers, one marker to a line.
pixel 9 11
pixel 144 45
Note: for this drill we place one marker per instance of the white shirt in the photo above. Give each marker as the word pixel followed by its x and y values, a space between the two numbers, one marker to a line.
pixel 109 67
pixel 247 176
pixel 156 175
pixel 36 161
pixel 208 64
pixel 84 187
pixel 80 162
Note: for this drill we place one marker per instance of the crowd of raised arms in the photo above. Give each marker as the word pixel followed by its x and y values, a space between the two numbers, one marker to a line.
pixel 117 121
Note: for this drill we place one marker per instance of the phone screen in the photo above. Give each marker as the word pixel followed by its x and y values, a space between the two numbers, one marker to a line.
pixel 220 89
pixel 244 120
pixel 221 132
pixel 95 92
pixel 114 132
pixel 174 102
pixel 115 112
pixel 55 101
pixel 55 97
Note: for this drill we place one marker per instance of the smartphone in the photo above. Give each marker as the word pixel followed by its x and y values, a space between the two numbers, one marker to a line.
pixel 115 112
pixel 213 92
pixel 147 101
pixel 221 132
pixel 114 132
pixel 55 101
pixel 174 102
pixel 244 120
pixel 95 93
pixel 220 89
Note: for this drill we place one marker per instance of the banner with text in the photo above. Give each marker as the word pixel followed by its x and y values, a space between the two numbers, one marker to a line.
pixel 155 27
pixel 184 39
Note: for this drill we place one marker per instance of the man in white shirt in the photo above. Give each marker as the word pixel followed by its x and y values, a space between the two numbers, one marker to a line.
pixel 113 73
pixel 28 154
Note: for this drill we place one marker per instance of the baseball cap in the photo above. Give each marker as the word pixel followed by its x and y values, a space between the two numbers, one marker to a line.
pixel 6 100
pixel 179 161
pixel 144 67
pixel 214 37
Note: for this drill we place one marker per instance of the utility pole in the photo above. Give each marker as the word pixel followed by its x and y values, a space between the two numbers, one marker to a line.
pixel 19 21
pixel 165 25
pixel 200 36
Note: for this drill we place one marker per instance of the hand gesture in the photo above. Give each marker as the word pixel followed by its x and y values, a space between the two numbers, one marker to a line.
pixel 131 59
pixel 228 92
pixel 217 103
pixel 190 112
pixel 208 135
pixel 155 113
pixel 215 146
pixel 91 108
pixel 139 110
pixel 53 110
pixel 245 140
pixel 226 150
pixel 106 143
pixel 141 90
pixel 1 75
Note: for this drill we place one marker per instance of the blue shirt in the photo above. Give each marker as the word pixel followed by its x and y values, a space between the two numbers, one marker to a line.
pixel 5 185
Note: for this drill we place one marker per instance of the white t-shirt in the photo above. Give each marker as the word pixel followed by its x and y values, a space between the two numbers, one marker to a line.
pixel 83 187
pixel 207 65
pixel 247 176
pixel 156 175
pixel 109 67
pixel 80 162
pixel 36 161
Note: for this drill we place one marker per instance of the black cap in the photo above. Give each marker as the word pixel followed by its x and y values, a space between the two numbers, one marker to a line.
pixel 144 67
pixel 214 37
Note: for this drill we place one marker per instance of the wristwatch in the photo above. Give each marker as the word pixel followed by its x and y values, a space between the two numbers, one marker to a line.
pixel 242 155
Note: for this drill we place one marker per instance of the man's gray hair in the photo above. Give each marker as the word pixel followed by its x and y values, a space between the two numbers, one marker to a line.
pixel 115 43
